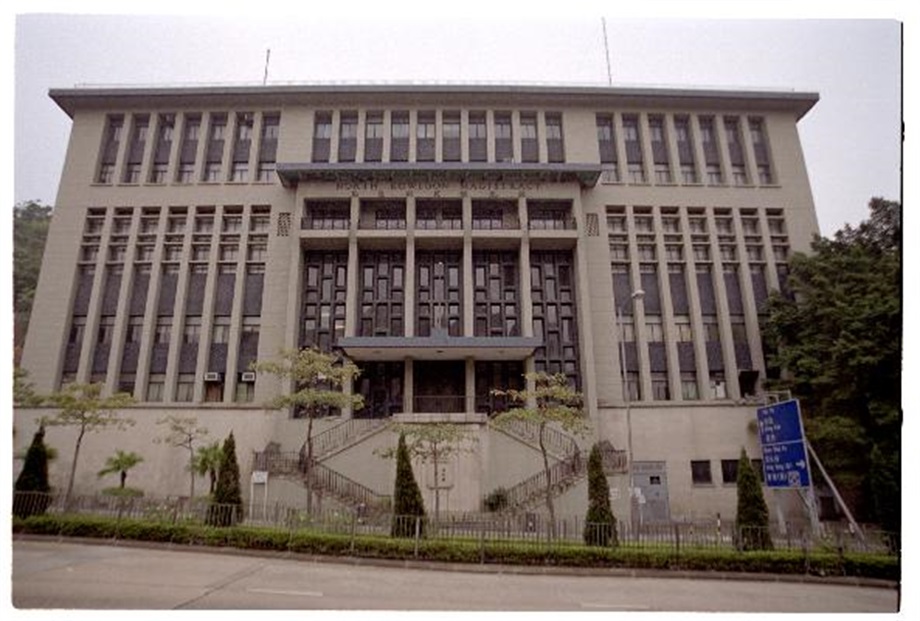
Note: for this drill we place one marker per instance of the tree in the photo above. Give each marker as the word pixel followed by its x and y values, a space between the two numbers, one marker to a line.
pixel 207 462
pixel 33 479
pixel 30 230
pixel 184 432
pixel 837 340
pixel 433 443
pixel 600 523
pixel 24 394
pixel 552 401
pixel 318 379
pixel 226 506
pixel 121 462
pixel 407 497
pixel 83 406
pixel 752 519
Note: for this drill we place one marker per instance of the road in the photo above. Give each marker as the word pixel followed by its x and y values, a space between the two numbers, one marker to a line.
pixel 53 574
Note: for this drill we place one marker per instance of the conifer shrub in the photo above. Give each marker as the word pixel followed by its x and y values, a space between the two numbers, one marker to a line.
pixel 600 523
pixel 407 497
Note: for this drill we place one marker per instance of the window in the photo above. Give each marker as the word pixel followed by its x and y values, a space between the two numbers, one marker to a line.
pixel 714 174
pixel 504 151
pixel 425 137
pixel 729 471
pixel 654 332
pixel 161 333
pixel 399 136
pixel 259 223
pixel 239 172
pixel 700 253
pixel 204 224
pixel 348 136
pixel 632 386
pixel 635 173
pixel 373 137
pixel 257 251
pixel 662 173
pixel 245 392
pixel 132 173
pixel 175 224
pixel 186 173
pixel 688 387
pixel 701 472
pixel 555 151
pixel 155 389
pixel 229 252
pixel 185 388
pixel 212 172
pixel 191 334
pixel 684 329
pixel 322 134
pixel 660 389
pixel 674 252
pixel 232 224
pixel 450 137
pixel 110 144
pixel 717 385
pixel 220 333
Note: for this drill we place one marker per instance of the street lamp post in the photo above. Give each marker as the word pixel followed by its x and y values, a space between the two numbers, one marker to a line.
pixel 638 294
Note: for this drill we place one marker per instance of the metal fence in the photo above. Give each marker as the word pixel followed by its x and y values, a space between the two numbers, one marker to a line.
pixel 524 529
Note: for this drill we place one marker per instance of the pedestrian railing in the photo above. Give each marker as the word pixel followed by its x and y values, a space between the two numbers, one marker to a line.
pixel 531 528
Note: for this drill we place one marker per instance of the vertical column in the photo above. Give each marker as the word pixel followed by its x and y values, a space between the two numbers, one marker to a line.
pixel 638 306
pixel 750 158
pixel 749 303
pixel 207 307
pixel 149 147
pixel 468 327
pixel 516 135
pixel 725 328
pixel 438 135
pixel 150 312
pixel 724 157
pixel 696 316
pixel 585 325
pixel 620 146
pixel 542 154
pixel 202 147
pixel 408 386
pixel 387 134
pixel 226 162
pixel 698 155
pixel 490 135
pixel 670 136
pixel 464 135
pixel 360 135
pixel 691 278
pixel 526 286
pixel 413 138
pixel 767 240
pixel 236 314
pixel 409 276
pixel 469 402
pixel 121 314
pixel 334 137
pixel 667 309
pixel 645 140
pixel 178 322
pixel 91 328
pixel 255 146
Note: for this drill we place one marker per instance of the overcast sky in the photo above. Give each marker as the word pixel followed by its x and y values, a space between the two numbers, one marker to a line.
pixel 850 138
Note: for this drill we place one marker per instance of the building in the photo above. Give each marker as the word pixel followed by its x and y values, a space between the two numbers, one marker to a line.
pixel 446 238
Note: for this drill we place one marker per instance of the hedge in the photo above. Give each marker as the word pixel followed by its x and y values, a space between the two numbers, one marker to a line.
pixel 468 551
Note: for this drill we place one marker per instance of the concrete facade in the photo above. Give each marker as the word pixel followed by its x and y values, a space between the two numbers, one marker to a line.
pixel 446 239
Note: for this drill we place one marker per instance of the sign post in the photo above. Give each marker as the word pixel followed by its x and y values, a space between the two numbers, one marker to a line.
pixel 785 452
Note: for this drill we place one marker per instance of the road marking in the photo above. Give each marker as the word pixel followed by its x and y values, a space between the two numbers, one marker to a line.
pixel 617 606
pixel 282 592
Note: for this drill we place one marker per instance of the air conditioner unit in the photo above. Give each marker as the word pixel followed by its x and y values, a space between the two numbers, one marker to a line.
pixel 248 376
pixel 212 376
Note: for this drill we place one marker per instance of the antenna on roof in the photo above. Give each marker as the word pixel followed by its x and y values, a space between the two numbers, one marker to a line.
pixel 268 55
pixel 607 53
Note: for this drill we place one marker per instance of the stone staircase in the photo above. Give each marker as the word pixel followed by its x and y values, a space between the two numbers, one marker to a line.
pixel 321 478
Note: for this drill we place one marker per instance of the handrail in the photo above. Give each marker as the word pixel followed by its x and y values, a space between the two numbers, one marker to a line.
pixel 346 489
pixel 560 475
pixel 343 434
pixel 556 442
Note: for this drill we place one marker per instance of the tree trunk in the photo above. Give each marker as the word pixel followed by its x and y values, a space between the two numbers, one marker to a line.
pixel 549 485
pixel 212 473
pixel 437 487
pixel 308 464
pixel 191 473
pixel 124 475
pixel 73 466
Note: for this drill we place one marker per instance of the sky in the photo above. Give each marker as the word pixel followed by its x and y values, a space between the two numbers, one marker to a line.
pixel 850 138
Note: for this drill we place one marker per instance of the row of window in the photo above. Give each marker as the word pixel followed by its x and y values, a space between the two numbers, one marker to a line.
pixel 512 137
pixel 701 471
pixel 701 148
pixel 198 150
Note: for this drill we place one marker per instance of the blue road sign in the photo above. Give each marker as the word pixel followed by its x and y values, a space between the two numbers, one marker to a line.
pixel 785 459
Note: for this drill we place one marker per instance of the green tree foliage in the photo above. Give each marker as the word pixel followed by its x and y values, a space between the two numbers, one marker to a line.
pixel 207 462
pixel 407 497
pixel 317 380
pixel 551 401
pixel 600 523
pixel 83 406
pixel 30 230
pixel 838 343
pixel 24 394
pixel 753 519
pixel 33 478
pixel 227 504
pixel 121 462
pixel 435 444
pixel 183 432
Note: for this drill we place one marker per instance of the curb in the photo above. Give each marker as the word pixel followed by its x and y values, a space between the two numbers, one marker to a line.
pixel 487 568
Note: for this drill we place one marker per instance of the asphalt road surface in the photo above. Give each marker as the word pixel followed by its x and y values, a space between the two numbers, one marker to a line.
pixel 53 574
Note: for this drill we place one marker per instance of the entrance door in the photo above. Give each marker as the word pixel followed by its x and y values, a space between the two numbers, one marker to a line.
pixel 650 492
pixel 439 386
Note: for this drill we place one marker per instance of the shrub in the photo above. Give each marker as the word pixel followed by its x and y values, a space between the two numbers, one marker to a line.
pixel 32 483
pixel 600 524
pixel 227 508
pixel 496 500
pixel 408 506
pixel 753 519
pixel 123 492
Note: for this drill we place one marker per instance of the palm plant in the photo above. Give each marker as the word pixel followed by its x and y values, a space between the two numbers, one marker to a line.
pixel 121 462
pixel 207 462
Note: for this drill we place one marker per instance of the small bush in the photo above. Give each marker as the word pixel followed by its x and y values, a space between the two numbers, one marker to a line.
pixel 496 500
pixel 123 492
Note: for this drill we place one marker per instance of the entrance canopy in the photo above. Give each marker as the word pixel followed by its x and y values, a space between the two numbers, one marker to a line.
pixel 439 347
